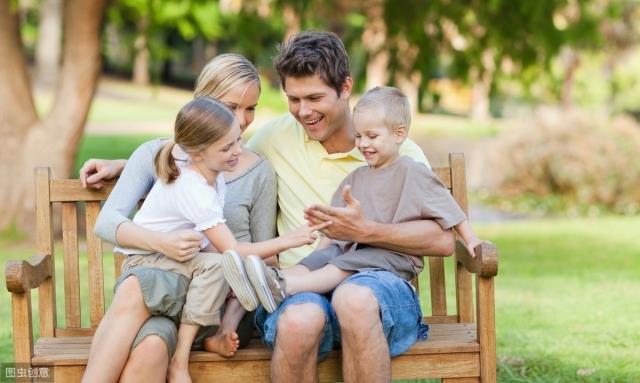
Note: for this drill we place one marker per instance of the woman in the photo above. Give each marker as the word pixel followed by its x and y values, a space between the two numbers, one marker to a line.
pixel 250 209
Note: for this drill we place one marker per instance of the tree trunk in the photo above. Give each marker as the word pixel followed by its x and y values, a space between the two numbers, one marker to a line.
pixel 49 42
pixel 142 56
pixel 291 21
pixel 481 89
pixel 571 61
pixel 407 78
pixel 52 141
pixel 373 40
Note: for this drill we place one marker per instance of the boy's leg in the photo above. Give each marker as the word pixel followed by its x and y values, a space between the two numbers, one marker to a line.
pixel 115 334
pixel 318 281
pixel 226 341
pixel 273 286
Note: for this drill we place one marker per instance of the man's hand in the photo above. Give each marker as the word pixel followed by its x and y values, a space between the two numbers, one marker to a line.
pixel 180 245
pixel 95 170
pixel 347 223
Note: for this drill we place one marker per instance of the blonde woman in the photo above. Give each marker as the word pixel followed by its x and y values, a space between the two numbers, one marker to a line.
pixel 249 210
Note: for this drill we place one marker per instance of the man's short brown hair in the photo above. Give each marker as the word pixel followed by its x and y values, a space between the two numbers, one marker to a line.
pixel 310 52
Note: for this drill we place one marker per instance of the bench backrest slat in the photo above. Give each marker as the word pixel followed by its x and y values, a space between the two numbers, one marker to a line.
pixel 71 265
pixel 94 260
pixel 44 245
pixel 464 300
pixel 436 265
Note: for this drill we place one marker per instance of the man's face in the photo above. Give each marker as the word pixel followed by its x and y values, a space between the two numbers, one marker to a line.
pixel 317 106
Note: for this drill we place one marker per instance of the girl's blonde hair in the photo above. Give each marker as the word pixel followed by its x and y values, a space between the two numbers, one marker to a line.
pixel 224 72
pixel 200 123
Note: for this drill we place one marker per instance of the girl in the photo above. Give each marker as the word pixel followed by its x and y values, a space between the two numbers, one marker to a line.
pixel 190 195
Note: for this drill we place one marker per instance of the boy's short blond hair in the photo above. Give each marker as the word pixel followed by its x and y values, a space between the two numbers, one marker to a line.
pixel 393 104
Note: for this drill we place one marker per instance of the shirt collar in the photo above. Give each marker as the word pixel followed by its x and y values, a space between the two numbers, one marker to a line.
pixel 355 153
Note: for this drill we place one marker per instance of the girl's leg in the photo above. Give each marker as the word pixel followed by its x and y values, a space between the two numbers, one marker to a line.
pixel 318 281
pixel 179 366
pixel 116 332
pixel 206 295
pixel 226 342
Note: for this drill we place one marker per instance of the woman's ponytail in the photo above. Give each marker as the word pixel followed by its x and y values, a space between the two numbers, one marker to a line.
pixel 166 168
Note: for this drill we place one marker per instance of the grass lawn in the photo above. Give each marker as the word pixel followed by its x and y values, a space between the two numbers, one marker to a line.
pixel 566 299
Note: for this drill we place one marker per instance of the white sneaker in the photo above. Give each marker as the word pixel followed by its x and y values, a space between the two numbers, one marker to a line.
pixel 234 273
pixel 267 283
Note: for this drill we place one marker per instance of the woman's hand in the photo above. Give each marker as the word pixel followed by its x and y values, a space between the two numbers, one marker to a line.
pixel 304 235
pixel 93 171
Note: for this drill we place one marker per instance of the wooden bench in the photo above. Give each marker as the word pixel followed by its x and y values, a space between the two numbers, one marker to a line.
pixel 461 347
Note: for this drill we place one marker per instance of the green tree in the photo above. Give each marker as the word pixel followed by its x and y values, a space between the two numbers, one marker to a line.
pixel 146 25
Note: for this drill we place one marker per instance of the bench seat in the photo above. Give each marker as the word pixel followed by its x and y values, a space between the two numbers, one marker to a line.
pixel 451 351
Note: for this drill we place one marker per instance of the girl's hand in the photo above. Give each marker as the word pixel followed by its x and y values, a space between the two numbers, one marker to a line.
pixel 304 235
pixel 181 245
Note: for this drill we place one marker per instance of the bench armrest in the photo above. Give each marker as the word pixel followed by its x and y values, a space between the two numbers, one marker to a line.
pixel 485 263
pixel 24 275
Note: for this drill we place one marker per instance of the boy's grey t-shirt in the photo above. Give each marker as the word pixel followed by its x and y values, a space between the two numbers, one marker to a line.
pixel 404 191
pixel 250 205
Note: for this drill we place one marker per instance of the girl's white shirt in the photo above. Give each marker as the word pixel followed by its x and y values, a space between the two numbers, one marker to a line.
pixel 187 203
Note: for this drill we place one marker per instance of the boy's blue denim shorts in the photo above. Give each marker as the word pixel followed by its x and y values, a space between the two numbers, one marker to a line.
pixel 399 310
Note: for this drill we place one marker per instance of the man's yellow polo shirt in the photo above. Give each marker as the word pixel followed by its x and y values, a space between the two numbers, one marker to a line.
pixel 306 173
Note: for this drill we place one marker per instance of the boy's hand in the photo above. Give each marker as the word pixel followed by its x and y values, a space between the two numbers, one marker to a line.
pixel 471 246
pixel 93 171
pixel 348 222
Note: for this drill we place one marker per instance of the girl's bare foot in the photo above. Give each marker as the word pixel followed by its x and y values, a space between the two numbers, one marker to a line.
pixel 225 344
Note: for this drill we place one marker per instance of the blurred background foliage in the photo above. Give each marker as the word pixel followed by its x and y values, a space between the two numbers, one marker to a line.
pixel 486 61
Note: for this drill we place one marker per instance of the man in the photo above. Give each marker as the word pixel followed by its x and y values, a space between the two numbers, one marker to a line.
pixel 312 150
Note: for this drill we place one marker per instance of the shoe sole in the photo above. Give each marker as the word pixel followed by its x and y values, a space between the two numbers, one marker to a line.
pixel 255 270
pixel 234 273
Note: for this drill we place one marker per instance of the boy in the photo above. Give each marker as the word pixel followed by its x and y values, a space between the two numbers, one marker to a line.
pixel 391 189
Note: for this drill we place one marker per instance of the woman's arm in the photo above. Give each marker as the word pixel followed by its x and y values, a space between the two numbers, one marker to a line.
pixel 264 207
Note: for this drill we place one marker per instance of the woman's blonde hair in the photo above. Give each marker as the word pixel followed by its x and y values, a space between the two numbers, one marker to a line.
pixel 200 123
pixel 224 72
